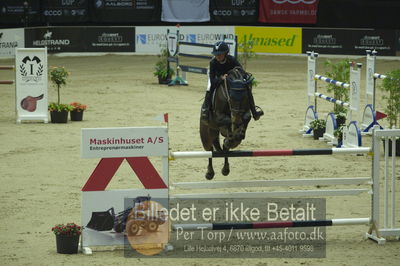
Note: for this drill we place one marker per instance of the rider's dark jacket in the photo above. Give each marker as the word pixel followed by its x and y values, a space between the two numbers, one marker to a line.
pixel 217 70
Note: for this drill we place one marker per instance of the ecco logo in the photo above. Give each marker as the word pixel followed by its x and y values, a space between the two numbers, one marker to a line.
pixel 52 12
pixel 222 13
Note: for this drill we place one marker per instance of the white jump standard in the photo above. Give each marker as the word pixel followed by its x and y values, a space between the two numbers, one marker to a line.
pixel 369 118
pixel 174 47
pixel 352 134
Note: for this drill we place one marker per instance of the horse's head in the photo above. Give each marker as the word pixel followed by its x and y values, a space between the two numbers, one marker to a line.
pixel 239 82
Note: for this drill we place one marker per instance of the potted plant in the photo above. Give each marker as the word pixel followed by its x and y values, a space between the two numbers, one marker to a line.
pixel 338 133
pixel 67 237
pixel 162 69
pixel 77 111
pixel 318 126
pixel 338 71
pixel 340 118
pixel 58 111
pixel 391 87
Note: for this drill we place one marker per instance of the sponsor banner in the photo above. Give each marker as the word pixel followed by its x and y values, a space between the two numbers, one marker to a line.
pixel 271 39
pixel 124 142
pixel 288 11
pixel 127 10
pixel 110 39
pixel 383 41
pixel 31 84
pixel 65 11
pixel 349 41
pixel 16 12
pixel 149 40
pixel 185 11
pixel 10 39
pixel 237 11
pixel 82 39
pixel 56 39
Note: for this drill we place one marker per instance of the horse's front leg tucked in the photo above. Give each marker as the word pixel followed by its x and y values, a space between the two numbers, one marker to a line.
pixel 210 170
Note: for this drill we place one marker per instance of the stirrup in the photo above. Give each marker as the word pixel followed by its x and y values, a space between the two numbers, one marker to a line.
pixel 258 113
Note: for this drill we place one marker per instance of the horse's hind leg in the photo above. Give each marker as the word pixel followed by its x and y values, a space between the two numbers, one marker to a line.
pixel 225 169
pixel 207 135
pixel 210 170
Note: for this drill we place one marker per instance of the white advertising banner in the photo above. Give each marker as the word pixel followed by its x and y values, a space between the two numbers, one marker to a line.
pixel 11 39
pixel 124 142
pixel 31 84
pixel 149 40
pixel 185 11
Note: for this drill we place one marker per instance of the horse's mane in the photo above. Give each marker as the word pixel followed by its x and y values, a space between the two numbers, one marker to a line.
pixel 239 78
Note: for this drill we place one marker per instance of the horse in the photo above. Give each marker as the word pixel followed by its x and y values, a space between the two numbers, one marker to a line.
pixel 229 117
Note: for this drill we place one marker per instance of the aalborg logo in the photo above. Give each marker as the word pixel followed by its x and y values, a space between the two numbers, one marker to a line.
pixel 31 69
pixel 307 2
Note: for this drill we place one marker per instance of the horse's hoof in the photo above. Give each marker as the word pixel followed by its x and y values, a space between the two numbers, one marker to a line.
pixel 209 176
pixel 225 171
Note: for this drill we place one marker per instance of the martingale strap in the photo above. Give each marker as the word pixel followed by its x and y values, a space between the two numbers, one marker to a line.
pixel 241 80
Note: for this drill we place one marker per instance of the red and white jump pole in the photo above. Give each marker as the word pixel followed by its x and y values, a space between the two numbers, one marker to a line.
pixel 6 82
pixel 264 225
pixel 263 153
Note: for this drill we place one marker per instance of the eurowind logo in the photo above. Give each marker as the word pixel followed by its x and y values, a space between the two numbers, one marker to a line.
pixel 141 38
pixel 191 38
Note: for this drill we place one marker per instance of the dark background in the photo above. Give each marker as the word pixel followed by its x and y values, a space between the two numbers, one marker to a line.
pixel 377 14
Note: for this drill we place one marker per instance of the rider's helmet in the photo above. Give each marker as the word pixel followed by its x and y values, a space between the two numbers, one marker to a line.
pixel 220 48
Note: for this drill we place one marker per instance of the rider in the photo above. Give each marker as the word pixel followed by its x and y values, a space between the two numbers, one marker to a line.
pixel 220 65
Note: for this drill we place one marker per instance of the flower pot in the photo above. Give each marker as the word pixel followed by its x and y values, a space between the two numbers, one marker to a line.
pixel 318 132
pixel 341 120
pixel 162 80
pixel 67 244
pixel 59 117
pixel 390 147
pixel 76 116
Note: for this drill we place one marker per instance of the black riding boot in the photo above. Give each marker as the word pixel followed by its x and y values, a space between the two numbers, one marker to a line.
pixel 253 108
pixel 205 108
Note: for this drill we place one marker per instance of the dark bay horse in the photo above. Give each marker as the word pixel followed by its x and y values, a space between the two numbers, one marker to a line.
pixel 229 117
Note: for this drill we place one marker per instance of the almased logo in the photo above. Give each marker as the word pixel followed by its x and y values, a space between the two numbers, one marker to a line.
pixel 270 41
